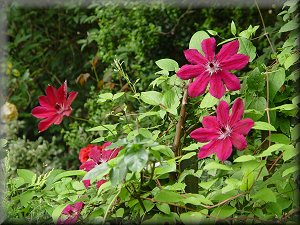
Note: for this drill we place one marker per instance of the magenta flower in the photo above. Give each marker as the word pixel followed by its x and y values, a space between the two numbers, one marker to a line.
pixel 70 214
pixel 223 131
pixel 96 156
pixel 54 106
pixel 213 69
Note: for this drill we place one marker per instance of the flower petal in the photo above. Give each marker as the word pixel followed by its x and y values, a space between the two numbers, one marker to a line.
pixel 238 141
pixel 59 118
pixel 62 93
pixel 231 81
pixel 199 85
pixel 216 88
pixel 100 182
pixel 237 111
pixel 190 71
pixel 194 57
pixel 235 62
pixel 51 94
pixel 228 50
pixel 42 112
pixel 207 149
pixel 95 154
pixel 223 113
pixel 44 101
pixel 88 165
pixel 243 126
pixel 204 134
pixel 210 122
pixel 208 47
pixel 224 149
pixel 71 97
pixel 86 183
pixel 46 123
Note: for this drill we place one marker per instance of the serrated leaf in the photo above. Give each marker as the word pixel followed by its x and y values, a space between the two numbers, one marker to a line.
pixel 167 64
pixel 196 39
pixel 259 125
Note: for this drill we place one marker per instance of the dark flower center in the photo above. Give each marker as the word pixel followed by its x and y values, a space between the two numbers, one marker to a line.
pixel 212 67
pixel 59 107
pixel 225 132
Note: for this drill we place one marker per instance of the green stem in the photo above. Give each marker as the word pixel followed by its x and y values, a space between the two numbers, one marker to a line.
pixel 110 204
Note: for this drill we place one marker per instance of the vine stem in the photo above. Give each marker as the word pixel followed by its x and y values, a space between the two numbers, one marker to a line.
pixel 110 204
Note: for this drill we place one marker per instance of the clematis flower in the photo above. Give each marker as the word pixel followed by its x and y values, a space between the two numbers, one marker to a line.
pixel 70 214
pixel 213 69
pixel 96 156
pixel 223 131
pixel 54 106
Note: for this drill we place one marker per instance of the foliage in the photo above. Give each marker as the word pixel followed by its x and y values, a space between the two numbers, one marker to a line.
pixel 156 177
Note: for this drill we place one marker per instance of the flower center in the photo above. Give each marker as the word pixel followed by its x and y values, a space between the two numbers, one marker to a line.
pixel 59 108
pixel 225 132
pixel 212 67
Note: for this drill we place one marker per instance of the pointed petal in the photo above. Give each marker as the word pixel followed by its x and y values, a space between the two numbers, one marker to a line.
pixel 51 94
pixel 208 47
pixel 106 144
pixel 223 113
pixel 204 134
pixel 100 182
pixel 224 149
pixel 207 149
pixel 46 123
pixel 71 97
pixel 199 85
pixel 194 57
pixel 58 120
pixel 86 183
pixel 237 111
pixel 216 88
pixel 235 62
pixel 231 81
pixel 190 71
pixel 42 112
pixel 210 122
pixel 243 126
pixel 62 93
pixel 238 141
pixel 95 154
pixel 228 50
pixel 44 101
pixel 88 165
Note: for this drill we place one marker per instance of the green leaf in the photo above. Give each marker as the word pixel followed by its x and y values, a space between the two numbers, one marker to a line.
pixel 145 133
pixel 104 97
pixel 118 95
pixel 118 173
pixel 69 174
pixel 212 32
pixel 265 194
pixel 244 158
pixel 196 199
pixel 27 175
pixel 196 39
pixel 285 107
pixel 256 80
pixel 247 181
pixel 289 152
pixel 292 59
pixel 169 166
pixel 187 156
pixel 290 170
pixel 97 172
pixel 164 150
pixel 233 28
pixel 193 146
pixel 167 64
pixel 223 212
pixel 247 48
pixel 168 98
pixel 291 25
pixel 146 114
pixel 215 165
pixel 207 184
pixel 259 125
pixel 136 160
pixel 57 212
pixel 168 196
pixel 108 127
pixel 165 208
pixel 208 101
pixel 151 97
pixel 276 80
pixel 3 143
pixel 192 217
pixel 271 149
pixel 279 138
pixel 26 197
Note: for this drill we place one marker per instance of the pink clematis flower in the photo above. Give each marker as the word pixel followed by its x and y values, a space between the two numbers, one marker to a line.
pixel 70 214
pixel 54 106
pixel 223 131
pixel 97 155
pixel 213 69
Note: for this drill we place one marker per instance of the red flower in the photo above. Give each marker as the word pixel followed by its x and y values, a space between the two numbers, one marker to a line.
pixel 96 156
pixel 70 214
pixel 54 106
pixel 213 69
pixel 223 131
pixel 84 152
